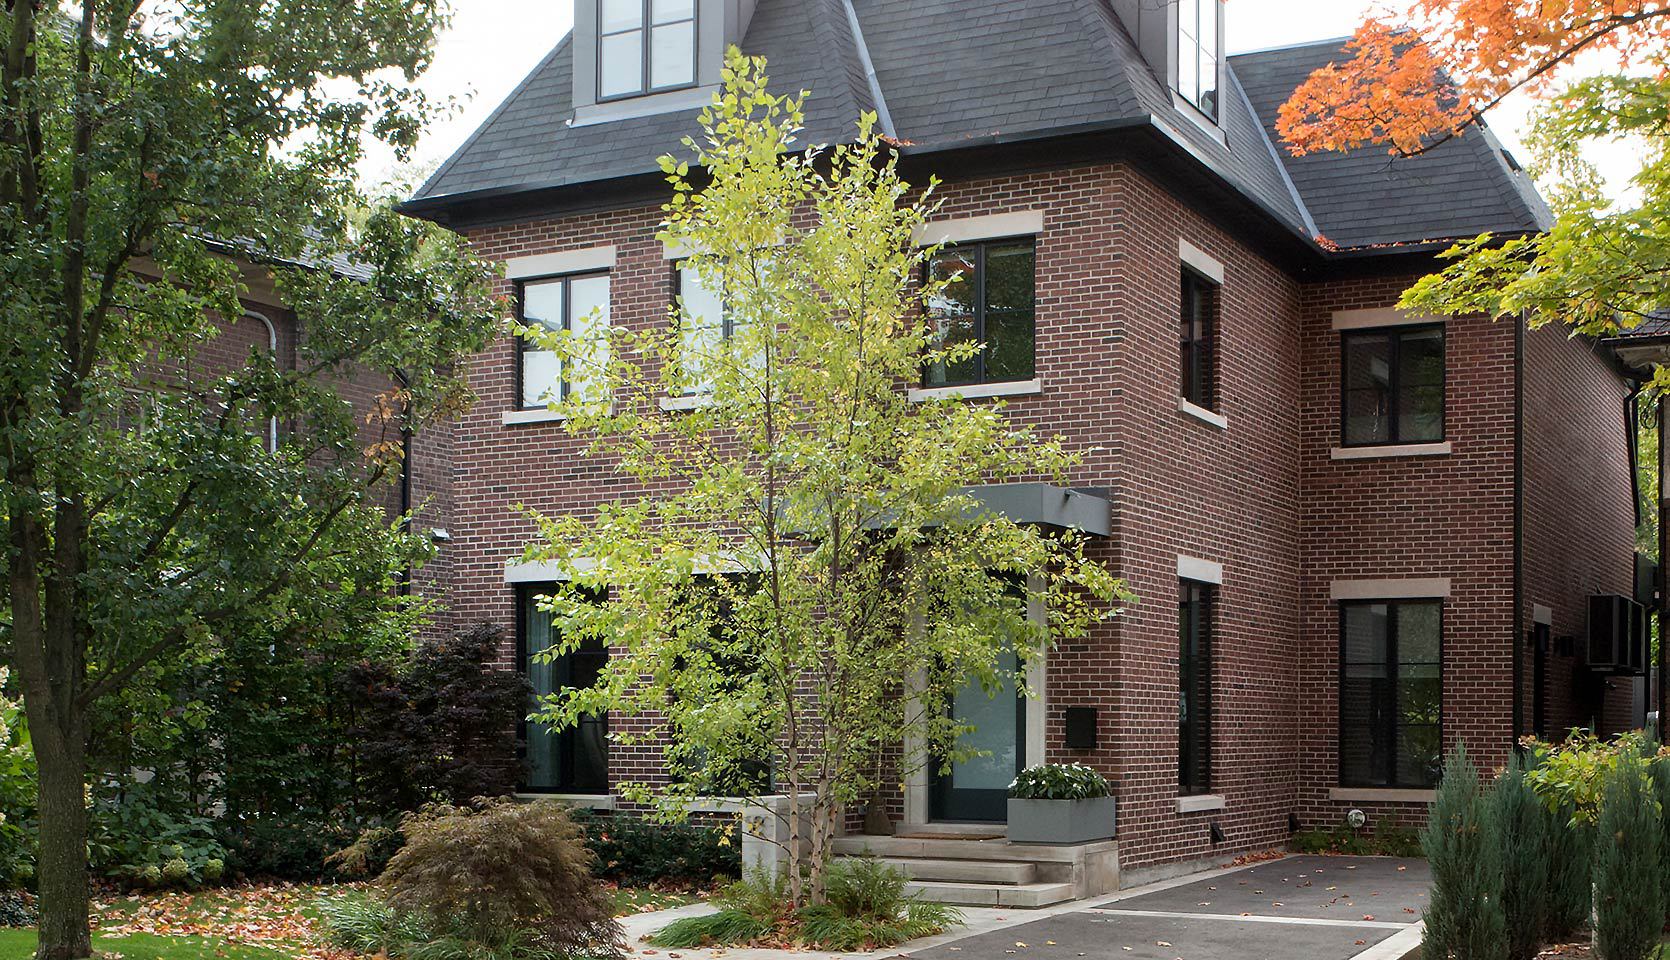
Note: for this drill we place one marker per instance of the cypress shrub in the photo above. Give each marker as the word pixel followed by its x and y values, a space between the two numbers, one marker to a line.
pixel 1464 918
pixel 1571 883
pixel 1522 822
pixel 1629 908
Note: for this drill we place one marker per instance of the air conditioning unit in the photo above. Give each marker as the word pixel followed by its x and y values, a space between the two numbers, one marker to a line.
pixel 1617 635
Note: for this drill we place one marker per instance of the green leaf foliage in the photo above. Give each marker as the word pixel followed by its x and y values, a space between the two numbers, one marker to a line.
pixel 1464 916
pixel 502 871
pixel 1058 781
pixel 810 578
pixel 1628 872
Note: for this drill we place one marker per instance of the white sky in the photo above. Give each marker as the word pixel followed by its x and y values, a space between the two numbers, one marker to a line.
pixel 493 44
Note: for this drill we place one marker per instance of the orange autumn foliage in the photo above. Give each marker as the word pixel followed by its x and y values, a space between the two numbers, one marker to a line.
pixel 1424 78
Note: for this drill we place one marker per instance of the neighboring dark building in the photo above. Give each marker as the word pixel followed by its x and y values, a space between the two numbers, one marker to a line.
pixel 1359 536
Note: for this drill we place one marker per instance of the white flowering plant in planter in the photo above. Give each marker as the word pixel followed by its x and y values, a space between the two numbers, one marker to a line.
pixel 1060 803
pixel 1059 781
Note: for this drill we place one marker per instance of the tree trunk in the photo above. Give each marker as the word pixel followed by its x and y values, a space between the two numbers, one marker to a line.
pixel 62 865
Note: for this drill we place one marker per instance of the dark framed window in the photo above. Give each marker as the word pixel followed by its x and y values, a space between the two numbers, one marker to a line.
pixel 556 303
pixel 645 46
pixel 705 324
pixel 1392 385
pixel 1197 54
pixel 750 776
pixel 575 759
pixel 1194 688
pixel 993 304
pixel 1198 340
pixel 1391 693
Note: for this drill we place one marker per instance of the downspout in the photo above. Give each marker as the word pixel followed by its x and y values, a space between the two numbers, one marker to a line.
pixel 1517 628
pixel 405 480
pixel 1660 576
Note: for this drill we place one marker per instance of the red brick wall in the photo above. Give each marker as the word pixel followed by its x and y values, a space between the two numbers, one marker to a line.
pixel 1264 497
pixel 1409 517
pixel 1108 279
pixel 1579 519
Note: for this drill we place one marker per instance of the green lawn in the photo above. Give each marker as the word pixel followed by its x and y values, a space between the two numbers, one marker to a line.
pixel 20 945
pixel 280 916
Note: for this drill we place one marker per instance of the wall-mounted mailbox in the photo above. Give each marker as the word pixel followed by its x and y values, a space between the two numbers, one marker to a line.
pixel 1081 728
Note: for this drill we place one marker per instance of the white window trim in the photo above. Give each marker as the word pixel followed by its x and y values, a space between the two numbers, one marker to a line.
pixel 1200 261
pixel 1200 571
pixel 587 260
pixel 978 391
pixel 993 226
pixel 1392 450
pixel 1202 414
pixel 1201 803
pixel 643 105
pixel 1376 317
pixel 1199 117
pixel 1414 588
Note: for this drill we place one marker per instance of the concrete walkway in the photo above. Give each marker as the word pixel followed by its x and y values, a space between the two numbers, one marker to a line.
pixel 1317 908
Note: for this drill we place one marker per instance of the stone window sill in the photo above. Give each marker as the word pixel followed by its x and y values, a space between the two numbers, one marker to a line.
pixel 1393 450
pixel 1202 803
pixel 582 801
pixel 978 391
pixel 536 415
pixel 692 402
pixel 1380 795
pixel 1202 414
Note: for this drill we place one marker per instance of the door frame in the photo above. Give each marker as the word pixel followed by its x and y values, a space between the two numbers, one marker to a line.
pixel 919 780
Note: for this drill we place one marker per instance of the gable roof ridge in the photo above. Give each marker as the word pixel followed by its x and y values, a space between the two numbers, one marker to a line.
pixel 434 179
pixel 1275 155
pixel 833 26
pixel 879 99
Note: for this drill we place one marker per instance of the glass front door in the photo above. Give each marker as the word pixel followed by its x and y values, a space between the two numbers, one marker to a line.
pixel 977 789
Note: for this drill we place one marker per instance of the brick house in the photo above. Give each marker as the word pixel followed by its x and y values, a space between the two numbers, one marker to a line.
pixel 1359 536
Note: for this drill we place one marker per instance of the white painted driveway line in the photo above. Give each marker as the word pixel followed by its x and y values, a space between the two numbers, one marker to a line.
pixel 1253 918
pixel 1397 946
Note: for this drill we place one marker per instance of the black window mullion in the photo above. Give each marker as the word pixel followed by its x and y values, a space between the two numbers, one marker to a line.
pixel 1396 694
pixel 643 39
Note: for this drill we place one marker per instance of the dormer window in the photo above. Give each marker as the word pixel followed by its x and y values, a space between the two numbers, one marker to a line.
pixel 645 46
pixel 1197 54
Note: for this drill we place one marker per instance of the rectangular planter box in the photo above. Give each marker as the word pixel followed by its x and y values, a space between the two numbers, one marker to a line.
pixel 1060 821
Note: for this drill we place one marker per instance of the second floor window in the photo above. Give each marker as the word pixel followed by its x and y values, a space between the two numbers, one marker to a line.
pixel 1197 54
pixel 993 304
pixel 644 46
pixel 578 303
pixel 1198 338
pixel 1392 386
pixel 704 326
pixel 1194 694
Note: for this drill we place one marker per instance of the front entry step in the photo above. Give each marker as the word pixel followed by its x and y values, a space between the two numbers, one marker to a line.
pixel 1021 895
pixel 965 871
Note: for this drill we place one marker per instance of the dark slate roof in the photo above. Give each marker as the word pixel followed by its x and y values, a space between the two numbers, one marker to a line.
pixel 954 73
pixel 528 143
pixel 1365 197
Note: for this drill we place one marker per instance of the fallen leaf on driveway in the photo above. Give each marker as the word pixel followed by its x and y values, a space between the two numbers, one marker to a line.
pixel 1161 943
pixel 1368 916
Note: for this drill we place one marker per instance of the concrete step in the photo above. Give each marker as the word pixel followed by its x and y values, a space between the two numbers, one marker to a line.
pixel 965 871
pixel 939 848
pixel 1024 895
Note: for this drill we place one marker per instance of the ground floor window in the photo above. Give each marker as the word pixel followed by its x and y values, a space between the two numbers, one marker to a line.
pixel 1194 693
pixel 1390 693
pixel 576 759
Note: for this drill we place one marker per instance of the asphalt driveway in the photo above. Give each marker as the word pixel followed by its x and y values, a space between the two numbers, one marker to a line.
pixel 1319 908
